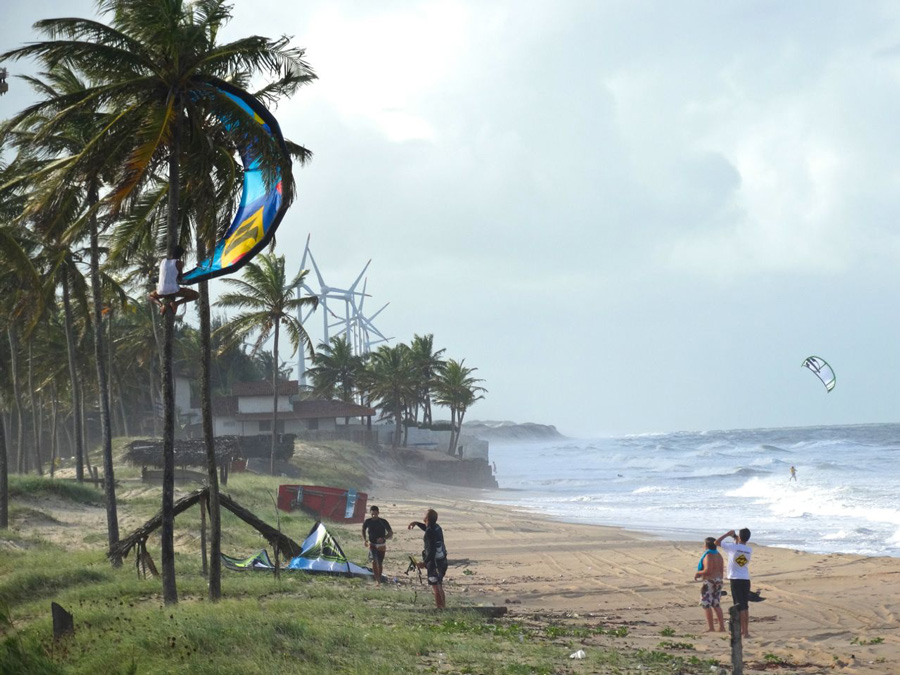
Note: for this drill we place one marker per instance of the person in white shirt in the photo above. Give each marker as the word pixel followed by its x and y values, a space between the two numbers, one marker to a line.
pixel 738 572
pixel 169 294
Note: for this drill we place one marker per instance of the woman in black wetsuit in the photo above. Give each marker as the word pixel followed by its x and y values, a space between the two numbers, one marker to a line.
pixel 434 555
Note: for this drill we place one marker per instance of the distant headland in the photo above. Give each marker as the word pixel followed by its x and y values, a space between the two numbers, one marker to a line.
pixel 500 432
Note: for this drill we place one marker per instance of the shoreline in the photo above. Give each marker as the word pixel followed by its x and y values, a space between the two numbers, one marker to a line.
pixel 655 534
pixel 829 611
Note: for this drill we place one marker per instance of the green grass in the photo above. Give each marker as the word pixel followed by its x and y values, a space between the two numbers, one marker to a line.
pixel 36 486
pixel 300 624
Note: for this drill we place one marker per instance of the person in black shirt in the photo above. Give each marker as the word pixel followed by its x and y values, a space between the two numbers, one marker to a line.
pixel 376 531
pixel 434 555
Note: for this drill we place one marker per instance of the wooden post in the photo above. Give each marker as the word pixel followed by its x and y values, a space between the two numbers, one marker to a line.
pixel 63 622
pixel 737 651
pixel 204 504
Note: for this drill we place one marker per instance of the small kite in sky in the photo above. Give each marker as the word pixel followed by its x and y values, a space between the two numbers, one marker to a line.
pixel 821 369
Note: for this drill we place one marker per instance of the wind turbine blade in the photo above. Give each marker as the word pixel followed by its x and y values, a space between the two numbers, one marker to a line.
pixel 305 251
pixel 353 285
pixel 378 312
pixel 322 284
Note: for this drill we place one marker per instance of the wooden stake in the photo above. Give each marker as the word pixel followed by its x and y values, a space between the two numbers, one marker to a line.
pixel 737 651
pixel 63 622
pixel 204 505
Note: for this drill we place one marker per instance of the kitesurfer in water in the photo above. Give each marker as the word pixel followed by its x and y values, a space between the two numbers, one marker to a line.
pixel 434 555
pixel 793 474
pixel 710 571
pixel 169 294
pixel 376 531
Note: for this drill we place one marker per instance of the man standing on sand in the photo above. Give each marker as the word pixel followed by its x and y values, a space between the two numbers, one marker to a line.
pixel 739 573
pixel 434 555
pixel 710 569
pixel 376 531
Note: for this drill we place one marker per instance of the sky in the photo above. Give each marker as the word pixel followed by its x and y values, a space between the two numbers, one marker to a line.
pixel 630 217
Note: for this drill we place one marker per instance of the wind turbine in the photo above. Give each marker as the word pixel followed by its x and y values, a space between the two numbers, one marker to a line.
pixel 349 321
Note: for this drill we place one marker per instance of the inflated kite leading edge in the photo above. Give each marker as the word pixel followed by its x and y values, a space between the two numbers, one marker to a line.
pixel 822 370
pixel 261 208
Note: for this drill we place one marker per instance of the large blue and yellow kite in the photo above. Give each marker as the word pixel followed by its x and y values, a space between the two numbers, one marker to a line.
pixel 262 206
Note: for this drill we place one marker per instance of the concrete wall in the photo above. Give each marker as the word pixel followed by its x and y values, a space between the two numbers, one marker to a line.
pixel 426 439
pixel 262 404
pixel 183 401
pixel 228 426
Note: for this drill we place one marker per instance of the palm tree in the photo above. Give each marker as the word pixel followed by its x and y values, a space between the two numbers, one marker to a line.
pixel 458 390
pixel 266 300
pixel 17 266
pixel 390 381
pixel 428 365
pixel 62 215
pixel 151 67
pixel 335 370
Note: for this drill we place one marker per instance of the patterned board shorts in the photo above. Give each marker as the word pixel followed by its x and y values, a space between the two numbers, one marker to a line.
pixel 711 593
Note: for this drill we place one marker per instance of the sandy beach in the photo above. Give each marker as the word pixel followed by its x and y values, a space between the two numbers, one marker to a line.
pixel 821 613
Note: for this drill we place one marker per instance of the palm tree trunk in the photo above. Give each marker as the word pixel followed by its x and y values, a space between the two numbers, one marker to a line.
pixel 73 377
pixel 159 349
pixel 54 429
pixel 85 435
pixel 274 396
pixel 215 519
pixel 398 431
pixel 109 484
pixel 167 529
pixel 35 416
pixel 126 429
pixel 17 400
pixel 4 478
pixel 452 447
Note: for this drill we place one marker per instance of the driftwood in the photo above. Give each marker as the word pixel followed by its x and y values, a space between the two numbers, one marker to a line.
pixel 137 539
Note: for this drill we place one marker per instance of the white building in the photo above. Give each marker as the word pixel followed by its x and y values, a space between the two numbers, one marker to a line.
pixel 248 411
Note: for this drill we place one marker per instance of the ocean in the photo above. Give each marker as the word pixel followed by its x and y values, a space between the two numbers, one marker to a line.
pixel 689 485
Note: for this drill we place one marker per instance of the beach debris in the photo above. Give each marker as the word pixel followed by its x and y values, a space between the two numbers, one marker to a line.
pixel 577 655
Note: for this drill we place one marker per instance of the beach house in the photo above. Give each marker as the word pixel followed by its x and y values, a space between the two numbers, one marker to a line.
pixel 248 412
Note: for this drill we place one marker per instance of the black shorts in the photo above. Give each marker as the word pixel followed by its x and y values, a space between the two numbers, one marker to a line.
pixel 375 554
pixel 740 593
pixel 436 571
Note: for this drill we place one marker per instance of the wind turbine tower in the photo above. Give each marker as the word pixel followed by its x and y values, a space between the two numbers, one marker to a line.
pixel 342 312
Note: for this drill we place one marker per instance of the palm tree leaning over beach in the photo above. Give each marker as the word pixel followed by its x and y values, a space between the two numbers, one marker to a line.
pixel 150 67
pixel 267 301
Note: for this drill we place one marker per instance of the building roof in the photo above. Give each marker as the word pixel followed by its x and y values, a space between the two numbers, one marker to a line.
pixel 264 388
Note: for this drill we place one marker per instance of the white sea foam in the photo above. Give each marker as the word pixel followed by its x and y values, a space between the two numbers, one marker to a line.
pixel 698 484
